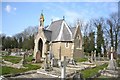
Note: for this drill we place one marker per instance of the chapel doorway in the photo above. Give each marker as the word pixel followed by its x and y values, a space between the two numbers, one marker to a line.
pixel 40 46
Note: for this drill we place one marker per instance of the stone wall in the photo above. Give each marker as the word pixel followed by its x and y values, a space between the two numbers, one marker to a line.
pixel 65 51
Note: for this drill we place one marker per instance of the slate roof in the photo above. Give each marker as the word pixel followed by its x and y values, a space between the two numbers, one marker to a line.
pixel 59 31
pixel 48 34
pixel 55 28
pixel 73 31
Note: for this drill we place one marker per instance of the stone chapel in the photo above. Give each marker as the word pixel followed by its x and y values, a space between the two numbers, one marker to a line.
pixel 58 39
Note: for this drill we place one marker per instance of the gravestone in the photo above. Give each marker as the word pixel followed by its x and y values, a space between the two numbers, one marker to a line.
pixel 38 56
pixel 78 76
pixel 112 67
pixel 107 55
pixel 54 62
pixel 63 65
pixel 95 55
pixel 92 56
pixel 112 63
pixel 23 59
pixel 99 56
pixel 72 61
pixel 47 64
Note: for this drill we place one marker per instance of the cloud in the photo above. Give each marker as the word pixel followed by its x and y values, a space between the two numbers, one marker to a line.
pixel 54 18
pixel 15 9
pixel 9 8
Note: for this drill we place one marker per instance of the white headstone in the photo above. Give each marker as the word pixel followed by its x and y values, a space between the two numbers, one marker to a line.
pixel 63 67
pixel 111 53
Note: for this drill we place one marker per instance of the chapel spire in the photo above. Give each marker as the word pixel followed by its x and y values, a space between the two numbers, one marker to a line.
pixel 41 20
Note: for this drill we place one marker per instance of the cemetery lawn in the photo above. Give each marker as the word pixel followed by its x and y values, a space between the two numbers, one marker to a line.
pixel 91 72
pixel 12 59
pixel 118 62
pixel 10 70
pixel 29 59
pixel 15 59
pixel 81 59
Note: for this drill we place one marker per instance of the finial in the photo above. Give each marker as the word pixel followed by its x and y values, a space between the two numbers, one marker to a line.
pixel 42 19
pixel 51 20
pixel 63 17
pixel 78 21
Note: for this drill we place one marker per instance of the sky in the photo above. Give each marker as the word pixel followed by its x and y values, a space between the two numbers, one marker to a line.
pixel 17 16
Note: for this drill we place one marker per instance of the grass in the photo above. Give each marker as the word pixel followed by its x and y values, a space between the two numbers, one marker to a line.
pixel 104 77
pixel 29 59
pixel 81 59
pixel 10 70
pixel 15 59
pixel 91 72
pixel 12 59
pixel 118 62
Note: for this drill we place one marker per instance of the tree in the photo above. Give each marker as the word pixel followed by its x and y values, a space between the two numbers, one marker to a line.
pixel 92 41
pixel 99 23
pixel 113 30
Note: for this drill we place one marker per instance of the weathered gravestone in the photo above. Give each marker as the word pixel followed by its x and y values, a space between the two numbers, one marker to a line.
pixel 63 65
pixel 92 56
pixel 112 63
pixel 38 56
pixel 54 62
pixel 95 55
pixel 78 76
pixel 72 61
pixel 47 64
pixel 99 56
pixel 112 67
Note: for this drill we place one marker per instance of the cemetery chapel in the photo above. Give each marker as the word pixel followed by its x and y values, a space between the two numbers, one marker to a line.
pixel 58 39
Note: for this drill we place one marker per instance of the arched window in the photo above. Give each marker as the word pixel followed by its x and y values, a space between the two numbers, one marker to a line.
pixel 78 39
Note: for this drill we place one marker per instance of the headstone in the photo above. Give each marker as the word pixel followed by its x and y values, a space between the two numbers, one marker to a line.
pixel 112 63
pixel 107 55
pixel 111 70
pixel 95 55
pixel 78 76
pixel 92 56
pixel 72 61
pixel 38 56
pixel 23 60
pixel 99 56
pixel 54 62
pixel 63 65
pixel 47 64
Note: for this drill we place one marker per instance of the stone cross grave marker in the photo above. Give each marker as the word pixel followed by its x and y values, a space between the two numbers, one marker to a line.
pixel 112 63
pixel 47 65
pixel 95 55
pixel 63 65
